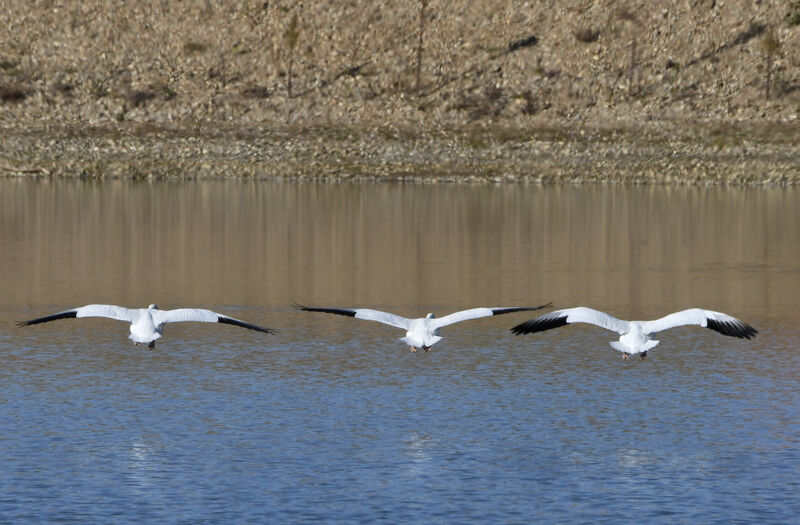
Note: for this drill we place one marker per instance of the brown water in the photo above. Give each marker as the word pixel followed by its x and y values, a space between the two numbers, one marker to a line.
pixel 333 418
pixel 634 251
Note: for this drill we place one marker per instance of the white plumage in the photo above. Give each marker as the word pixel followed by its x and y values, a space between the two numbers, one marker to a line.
pixel 147 324
pixel 635 335
pixel 422 332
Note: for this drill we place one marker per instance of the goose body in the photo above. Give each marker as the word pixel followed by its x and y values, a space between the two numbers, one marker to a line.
pixel 421 332
pixel 147 324
pixel 636 336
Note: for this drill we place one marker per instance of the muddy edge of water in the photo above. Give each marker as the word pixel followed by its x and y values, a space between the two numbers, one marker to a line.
pixel 685 154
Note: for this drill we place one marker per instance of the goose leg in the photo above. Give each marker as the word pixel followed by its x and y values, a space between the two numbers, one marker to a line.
pixel 151 345
pixel 413 348
pixel 643 356
pixel 426 348
pixel 625 356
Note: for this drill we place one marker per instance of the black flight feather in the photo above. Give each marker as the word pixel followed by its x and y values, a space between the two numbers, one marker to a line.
pixel 229 320
pixel 61 315
pixel 339 311
pixel 732 328
pixel 501 311
pixel 545 322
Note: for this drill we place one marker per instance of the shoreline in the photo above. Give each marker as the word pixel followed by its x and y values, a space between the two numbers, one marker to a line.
pixel 685 153
pixel 489 92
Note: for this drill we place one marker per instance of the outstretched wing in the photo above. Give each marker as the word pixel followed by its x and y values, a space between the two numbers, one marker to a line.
pixel 476 313
pixel 719 322
pixel 202 316
pixel 92 310
pixel 580 314
pixel 363 313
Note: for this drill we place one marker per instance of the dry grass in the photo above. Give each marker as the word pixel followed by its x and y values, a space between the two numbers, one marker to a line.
pixel 351 62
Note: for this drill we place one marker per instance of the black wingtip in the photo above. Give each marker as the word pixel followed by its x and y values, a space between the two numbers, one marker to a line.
pixel 349 312
pixel 521 328
pixel 545 322
pixel 735 328
pixel 500 311
pixel 61 315
pixel 249 326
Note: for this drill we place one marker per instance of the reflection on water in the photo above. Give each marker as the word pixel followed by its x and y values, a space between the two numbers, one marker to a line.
pixel 634 251
pixel 632 458
pixel 418 453
pixel 143 464
pixel 333 419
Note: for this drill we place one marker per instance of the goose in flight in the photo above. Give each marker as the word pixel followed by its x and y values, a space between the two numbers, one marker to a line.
pixel 635 335
pixel 147 324
pixel 423 332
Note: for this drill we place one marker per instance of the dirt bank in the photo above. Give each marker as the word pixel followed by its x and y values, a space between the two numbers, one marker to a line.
pixel 694 92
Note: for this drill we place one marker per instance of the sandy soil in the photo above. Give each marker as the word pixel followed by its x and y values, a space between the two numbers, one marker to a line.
pixel 676 91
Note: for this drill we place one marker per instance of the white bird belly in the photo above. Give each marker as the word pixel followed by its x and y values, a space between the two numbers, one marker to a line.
pixel 420 334
pixel 144 331
pixel 634 342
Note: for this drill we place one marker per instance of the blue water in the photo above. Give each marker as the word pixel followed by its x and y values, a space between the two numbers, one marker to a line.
pixel 505 430
pixel 333 420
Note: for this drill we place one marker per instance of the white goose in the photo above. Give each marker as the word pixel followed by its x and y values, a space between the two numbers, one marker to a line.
pixel 635 335
pixel 423 332
pixel 147 324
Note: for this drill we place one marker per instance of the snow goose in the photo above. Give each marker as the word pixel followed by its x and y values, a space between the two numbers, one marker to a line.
pixel 147 324
pixel 423 332
pixel 635 335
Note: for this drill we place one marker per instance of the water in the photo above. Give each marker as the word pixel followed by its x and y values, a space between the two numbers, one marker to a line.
pixel 333 420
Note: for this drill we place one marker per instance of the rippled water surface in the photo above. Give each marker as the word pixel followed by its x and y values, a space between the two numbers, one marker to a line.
pixel 333 419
